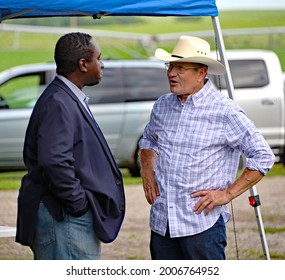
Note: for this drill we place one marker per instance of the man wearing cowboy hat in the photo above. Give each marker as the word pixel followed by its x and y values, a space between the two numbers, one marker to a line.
pixel 190 154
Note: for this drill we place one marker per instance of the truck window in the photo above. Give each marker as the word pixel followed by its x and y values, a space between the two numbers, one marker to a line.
pixel 109 90
pixel 145 83
pixel 245 74
pixel 22 91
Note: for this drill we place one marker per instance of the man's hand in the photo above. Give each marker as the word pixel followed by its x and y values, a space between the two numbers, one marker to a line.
pixel 210 199
pixel 148 160
pixel 150 188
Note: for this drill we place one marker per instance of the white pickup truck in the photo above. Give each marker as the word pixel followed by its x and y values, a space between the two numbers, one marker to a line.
pixel 259 90
pixel 122 102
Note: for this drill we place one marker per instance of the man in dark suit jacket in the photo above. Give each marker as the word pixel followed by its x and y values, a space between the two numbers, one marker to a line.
pixel 72 197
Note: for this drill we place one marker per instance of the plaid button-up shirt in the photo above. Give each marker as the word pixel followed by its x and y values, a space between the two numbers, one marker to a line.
pixel 198 145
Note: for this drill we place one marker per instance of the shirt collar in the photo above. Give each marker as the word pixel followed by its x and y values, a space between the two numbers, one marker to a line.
pixel 197 98
pixel 79 93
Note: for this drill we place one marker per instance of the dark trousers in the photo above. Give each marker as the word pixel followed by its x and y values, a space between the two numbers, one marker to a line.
pixel 207 245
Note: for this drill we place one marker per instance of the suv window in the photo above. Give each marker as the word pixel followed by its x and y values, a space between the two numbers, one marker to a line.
pixel 22 91
pixel 129 84
pixel 109 90
pixel 145 83
pixel 245 74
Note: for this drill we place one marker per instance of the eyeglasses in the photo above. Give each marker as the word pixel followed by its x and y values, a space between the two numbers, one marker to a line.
pixel 179 68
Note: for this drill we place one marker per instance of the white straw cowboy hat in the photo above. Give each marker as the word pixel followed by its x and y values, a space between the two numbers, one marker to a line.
pixel 192 49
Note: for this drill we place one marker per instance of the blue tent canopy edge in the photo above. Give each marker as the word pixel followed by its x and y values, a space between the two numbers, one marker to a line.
pixel 12 9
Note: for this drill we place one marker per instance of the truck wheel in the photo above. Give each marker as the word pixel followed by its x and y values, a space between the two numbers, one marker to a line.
pixel 135 167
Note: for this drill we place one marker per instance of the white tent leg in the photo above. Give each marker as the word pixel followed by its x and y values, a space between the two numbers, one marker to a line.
pixel 222 52
pixel 230 88
pixel 256 206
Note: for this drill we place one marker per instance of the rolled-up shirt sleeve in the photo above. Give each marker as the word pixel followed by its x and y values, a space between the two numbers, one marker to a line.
pixel 148 141
pixel 258 153
pixel 242 133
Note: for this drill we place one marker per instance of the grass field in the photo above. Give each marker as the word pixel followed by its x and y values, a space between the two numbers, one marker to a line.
pixel 12 180
pixel 21 48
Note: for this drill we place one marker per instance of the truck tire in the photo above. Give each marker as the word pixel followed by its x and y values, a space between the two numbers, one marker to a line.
pixel 135 167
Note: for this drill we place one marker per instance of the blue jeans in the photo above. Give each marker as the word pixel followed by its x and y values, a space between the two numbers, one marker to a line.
pixel 207 245
pixel 71 239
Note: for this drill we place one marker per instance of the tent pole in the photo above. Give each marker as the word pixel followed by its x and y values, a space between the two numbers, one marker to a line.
pixel 222 52
pixel 255 202
pixel 229 83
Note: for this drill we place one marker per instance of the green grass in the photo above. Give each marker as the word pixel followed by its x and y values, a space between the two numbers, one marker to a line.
pixel 10 58
pixel 12 180
pixel 158 25
pixel 251 19
pixel 22 48
pixel 276 256
pixel 274 230
pixel 277 169
pixel 128 179
pixel 227 19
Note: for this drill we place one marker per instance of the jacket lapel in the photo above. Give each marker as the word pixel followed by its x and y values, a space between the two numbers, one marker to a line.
pixel 95 127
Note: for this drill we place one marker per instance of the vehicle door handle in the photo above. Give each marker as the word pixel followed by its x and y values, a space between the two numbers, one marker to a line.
pixel 267 101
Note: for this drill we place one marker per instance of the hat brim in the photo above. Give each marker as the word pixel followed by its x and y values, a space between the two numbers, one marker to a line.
pixel 214 67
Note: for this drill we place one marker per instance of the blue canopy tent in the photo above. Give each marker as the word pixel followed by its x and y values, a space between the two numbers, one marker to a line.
pixel 95 8
pixel 13 9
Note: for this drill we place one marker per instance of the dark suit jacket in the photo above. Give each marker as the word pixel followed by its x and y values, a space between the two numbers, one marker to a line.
pixel 70 167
